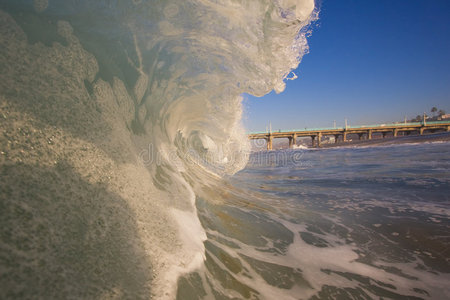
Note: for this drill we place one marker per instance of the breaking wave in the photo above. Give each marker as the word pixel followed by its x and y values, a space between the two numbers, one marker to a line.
pixel 113 114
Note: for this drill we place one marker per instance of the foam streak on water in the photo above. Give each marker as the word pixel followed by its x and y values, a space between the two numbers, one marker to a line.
pixel 349 223
pixel 114 115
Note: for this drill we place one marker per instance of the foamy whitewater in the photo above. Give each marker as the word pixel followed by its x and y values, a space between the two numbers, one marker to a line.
pixel 122 165
pixel 113 114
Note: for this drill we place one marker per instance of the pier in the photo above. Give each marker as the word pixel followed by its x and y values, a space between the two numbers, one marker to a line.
pixel 362 132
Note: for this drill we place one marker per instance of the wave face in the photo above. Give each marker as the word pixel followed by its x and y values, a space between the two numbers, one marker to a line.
pixel 114 114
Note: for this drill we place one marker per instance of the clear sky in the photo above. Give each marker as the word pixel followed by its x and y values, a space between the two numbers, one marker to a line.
pixel 370 61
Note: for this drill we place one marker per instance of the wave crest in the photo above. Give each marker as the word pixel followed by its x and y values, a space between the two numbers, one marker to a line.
pixel 111 80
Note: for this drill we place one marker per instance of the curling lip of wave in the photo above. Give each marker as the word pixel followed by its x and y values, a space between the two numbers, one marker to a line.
pixel 107 79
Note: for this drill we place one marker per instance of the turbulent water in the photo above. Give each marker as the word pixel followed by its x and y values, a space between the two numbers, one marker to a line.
pixel 114 114
pixel 349 223
pixel 120 135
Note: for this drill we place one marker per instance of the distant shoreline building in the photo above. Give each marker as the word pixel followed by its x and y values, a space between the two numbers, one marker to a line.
pixel 445 117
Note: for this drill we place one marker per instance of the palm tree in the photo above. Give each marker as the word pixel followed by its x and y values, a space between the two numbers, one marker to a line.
pixel 433 110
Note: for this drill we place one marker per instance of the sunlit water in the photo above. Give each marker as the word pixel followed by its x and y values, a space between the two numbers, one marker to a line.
pixel 119 136
pixel 113 115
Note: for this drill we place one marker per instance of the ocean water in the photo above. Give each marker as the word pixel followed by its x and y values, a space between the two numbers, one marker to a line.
pixel 125 172
pixel 341 223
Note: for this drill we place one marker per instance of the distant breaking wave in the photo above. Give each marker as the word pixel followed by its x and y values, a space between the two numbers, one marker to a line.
pixel 113 115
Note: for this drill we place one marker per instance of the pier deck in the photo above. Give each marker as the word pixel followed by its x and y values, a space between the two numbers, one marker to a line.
pixel 366 132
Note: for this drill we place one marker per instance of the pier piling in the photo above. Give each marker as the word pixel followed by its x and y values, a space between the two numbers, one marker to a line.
pixel 362 131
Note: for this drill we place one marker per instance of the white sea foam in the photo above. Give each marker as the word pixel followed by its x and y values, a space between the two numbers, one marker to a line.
pixel 106 84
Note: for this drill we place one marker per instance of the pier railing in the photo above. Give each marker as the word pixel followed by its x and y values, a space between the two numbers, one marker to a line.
pixel 363 131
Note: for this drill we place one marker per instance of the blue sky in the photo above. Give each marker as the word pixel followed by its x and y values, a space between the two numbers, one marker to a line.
pixel 370 61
